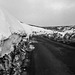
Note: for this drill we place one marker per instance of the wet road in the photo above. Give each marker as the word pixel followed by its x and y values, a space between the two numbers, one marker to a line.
pixel 52 58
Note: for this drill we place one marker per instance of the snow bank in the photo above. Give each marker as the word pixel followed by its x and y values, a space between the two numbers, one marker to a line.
pixel 9 24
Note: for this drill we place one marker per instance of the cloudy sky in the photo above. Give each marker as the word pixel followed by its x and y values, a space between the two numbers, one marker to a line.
pixel 42 12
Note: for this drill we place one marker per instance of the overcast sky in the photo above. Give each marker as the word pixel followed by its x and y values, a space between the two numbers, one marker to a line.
pixel 42 12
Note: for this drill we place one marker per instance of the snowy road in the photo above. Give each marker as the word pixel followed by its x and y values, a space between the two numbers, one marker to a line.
pixel 51 58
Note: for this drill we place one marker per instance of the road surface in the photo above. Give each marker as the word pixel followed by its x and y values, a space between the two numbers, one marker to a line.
pixel 52 58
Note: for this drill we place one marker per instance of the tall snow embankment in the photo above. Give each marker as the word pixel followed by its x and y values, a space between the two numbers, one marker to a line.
pixel 9 24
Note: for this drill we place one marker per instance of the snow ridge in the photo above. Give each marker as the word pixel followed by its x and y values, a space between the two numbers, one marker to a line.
pixel 9 24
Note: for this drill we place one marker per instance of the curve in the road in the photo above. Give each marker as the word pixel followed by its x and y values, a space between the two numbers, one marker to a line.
pixel 51 59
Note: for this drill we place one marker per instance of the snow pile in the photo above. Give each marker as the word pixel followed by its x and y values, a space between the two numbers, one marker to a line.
pixel 15 48
pixel 9 24
pixel 11 32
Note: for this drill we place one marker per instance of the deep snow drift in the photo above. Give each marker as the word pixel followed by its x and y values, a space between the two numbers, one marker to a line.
pixel 9 24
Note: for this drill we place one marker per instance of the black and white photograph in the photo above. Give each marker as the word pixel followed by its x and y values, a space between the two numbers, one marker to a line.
pixel 37 37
